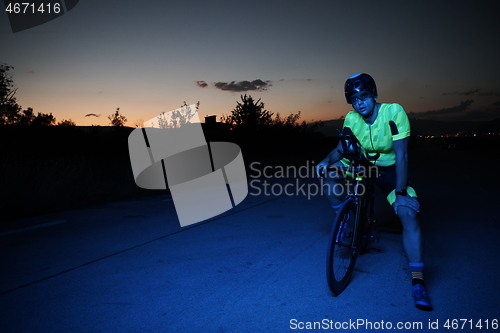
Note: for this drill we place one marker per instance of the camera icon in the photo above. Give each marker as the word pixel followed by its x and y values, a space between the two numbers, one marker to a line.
pixel 204 178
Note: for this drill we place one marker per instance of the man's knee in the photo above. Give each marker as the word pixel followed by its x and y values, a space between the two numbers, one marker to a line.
pixel 333 187
pixel 407 213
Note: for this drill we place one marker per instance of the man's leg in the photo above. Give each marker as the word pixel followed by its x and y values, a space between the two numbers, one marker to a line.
pixel 334 187
pixel 412 236
pixel 412 243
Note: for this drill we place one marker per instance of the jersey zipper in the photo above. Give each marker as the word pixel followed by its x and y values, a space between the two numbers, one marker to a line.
pixel 371 141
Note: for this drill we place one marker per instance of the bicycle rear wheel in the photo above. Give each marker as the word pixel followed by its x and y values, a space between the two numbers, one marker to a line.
pixel 342 248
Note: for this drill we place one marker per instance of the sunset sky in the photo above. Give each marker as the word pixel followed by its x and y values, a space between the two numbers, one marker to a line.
pixel 439 59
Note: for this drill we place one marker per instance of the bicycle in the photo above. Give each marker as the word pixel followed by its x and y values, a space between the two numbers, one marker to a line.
pixel 351 230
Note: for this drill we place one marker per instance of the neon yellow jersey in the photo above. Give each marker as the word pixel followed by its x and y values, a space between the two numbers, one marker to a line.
pixel 390 125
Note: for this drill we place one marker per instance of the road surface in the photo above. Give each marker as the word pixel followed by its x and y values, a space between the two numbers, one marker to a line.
pixel 130 267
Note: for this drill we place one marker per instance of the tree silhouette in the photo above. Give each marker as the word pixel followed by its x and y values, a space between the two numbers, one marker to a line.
pixel 117 119
pixel 249 115
pixel 9 109
pixel 44 119
pixel 178 117
pixel 26 117
pixel 139 123
pixel 291 121
pixel 66 122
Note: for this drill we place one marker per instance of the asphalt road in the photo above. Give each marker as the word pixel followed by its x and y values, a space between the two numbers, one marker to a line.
pixel 130 267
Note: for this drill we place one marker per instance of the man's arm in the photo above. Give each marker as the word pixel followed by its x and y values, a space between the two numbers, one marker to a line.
pixel 401 149
pixel 335 155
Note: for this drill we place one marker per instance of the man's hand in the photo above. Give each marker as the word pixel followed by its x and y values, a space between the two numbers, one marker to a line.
pixel 321 168
pixel 406 201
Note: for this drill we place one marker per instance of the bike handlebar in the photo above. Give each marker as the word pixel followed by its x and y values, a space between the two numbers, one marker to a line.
pixel 352 148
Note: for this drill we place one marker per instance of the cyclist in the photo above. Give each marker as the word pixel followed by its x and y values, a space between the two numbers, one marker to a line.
pixel 382 129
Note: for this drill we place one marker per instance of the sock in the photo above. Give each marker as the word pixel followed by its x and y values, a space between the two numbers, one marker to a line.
pixel 417 273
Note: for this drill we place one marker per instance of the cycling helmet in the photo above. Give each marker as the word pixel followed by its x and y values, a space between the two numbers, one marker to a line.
pixel 357 83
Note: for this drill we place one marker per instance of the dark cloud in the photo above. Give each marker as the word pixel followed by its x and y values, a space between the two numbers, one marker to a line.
pixel 478 115
pixel 469 93
pixel 489 93
pixel 464 105
pixel 92 115
pixel 461 112
pixel 255 85
pixel 292 80
pixel 473 92
pixel 201 84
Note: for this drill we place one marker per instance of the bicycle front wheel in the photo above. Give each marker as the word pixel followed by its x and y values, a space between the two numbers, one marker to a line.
pixel 342 248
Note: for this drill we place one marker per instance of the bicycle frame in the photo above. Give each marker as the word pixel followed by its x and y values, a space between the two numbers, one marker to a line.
pixel 350 233
pixel 362 194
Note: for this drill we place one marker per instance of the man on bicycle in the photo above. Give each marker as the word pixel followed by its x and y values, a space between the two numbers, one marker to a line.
pixel 383 129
